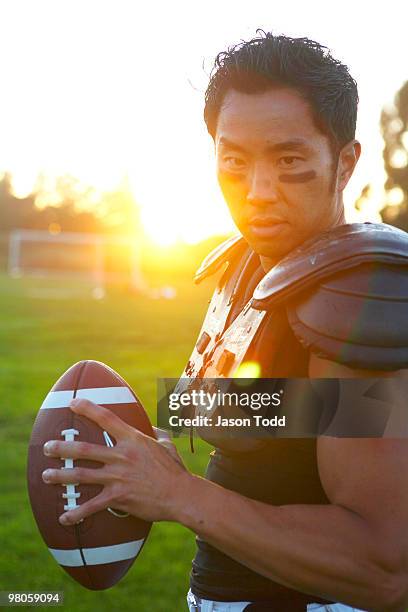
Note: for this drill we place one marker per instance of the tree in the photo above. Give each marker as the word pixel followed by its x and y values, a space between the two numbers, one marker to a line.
pixel 14 212
pixel 394 129
pixel 73 208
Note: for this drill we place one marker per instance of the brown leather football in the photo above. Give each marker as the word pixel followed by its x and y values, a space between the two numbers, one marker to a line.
pixel 97 552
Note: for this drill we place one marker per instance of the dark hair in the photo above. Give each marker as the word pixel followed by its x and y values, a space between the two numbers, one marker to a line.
pixel 268 61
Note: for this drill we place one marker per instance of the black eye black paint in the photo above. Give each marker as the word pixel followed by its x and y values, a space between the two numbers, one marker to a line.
pixel 302 177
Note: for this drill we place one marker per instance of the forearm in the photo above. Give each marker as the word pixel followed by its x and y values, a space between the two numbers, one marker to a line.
pixel 324 550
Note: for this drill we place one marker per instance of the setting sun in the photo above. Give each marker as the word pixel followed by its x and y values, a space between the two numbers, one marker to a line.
pixel 124 101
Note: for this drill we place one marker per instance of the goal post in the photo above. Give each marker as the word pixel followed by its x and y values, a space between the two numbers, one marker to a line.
pixel 100 258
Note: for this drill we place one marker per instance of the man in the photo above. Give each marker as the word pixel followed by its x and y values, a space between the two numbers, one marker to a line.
pixel 291 524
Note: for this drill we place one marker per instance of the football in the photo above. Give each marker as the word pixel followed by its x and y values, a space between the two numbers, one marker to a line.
pixel 98 551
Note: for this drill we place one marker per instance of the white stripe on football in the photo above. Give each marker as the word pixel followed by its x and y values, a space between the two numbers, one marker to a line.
pixel 98 395
pixel 97 556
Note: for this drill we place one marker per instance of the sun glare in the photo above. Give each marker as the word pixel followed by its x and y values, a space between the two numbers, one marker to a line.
pixel 104 111
pixel 23 182
pixel 166 230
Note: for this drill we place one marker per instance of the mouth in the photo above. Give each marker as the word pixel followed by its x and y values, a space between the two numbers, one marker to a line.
pixel 265 221
pixel 266 227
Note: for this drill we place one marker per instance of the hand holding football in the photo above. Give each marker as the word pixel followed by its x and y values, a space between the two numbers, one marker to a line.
pixel 141 476
pixel 108 468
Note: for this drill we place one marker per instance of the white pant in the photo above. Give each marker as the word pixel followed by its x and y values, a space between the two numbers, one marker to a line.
pixel 195 604
pixel 334 607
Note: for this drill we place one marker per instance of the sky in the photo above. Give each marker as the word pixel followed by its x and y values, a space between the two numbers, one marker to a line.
pixel 105 90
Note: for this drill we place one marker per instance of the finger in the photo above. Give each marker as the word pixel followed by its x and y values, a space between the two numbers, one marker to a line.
pixel 103 417
pixel 96 504
pixel 80 450
pixel 75 476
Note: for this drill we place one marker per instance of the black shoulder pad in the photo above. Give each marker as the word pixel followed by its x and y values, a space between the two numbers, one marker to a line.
pixel 224 252
pixel 335 250
pixel 358 317
pixel 346 295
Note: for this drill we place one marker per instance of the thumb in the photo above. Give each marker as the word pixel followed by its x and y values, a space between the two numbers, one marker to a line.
pixel 163 437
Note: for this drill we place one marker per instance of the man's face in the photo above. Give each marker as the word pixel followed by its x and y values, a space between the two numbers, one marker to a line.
pixel 275 169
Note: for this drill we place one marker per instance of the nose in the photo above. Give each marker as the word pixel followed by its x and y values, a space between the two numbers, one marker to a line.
pixel 262 190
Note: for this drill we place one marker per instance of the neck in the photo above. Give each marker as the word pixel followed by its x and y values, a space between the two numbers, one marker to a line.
pixel 269 262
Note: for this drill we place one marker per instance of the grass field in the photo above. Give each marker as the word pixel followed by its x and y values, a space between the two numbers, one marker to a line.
pixel 40 336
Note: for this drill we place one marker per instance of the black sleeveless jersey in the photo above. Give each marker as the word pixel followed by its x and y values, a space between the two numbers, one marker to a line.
pixel 282 471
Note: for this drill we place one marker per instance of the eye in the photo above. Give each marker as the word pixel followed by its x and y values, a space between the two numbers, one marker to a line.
pixel 232 162
pixel 289 161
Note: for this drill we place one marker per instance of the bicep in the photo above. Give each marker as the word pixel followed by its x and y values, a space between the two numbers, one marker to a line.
pixel 368 476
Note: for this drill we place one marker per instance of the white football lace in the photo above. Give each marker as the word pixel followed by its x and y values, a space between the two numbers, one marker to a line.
pixel 71 494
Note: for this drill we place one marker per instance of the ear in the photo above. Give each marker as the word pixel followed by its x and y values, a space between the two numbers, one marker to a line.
pixel 348 158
